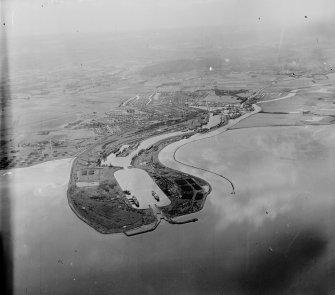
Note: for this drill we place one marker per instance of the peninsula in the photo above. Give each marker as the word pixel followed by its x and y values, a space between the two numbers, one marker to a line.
pixel 100 190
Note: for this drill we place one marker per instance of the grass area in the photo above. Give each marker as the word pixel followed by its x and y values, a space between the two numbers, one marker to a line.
pixel 106 207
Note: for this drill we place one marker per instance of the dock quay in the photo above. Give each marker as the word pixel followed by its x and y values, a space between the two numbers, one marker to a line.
pixel 161 215
pixel 142 229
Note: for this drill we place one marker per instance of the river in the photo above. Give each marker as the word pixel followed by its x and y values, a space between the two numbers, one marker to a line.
pixel 274 236
pixel 112 159
pixel 137 181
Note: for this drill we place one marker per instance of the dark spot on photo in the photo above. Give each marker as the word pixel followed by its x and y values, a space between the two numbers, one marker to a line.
pixel 273 274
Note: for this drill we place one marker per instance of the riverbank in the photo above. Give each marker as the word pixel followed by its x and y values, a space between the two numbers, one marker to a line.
pixel 109 209
pixel 172 151
pixel 186 192
pixel 224 223
pixel 198 137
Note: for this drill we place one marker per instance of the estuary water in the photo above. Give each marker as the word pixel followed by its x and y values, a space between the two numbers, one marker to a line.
pixel 112 159
pixel 137 181
pixel 274 236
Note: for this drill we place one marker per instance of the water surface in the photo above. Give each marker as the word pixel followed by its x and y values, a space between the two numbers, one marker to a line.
pixel 275 236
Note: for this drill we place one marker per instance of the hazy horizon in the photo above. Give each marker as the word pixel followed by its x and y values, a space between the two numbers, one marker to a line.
pixel 45 17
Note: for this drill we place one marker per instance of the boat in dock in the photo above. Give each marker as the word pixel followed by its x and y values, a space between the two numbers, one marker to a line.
pixel 154 194
pixel 135 201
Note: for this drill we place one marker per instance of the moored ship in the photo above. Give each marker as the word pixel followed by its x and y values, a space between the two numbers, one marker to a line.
pixel 137 204
pixel 154 194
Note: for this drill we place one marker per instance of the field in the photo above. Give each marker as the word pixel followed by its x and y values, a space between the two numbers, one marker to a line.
pixel 70 92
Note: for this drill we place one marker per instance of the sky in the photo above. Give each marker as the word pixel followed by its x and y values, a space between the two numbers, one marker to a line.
pixel 40 17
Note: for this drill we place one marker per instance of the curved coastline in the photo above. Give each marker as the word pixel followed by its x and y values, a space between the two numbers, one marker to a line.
pixel 211 135
pixel 90 224
pixel 221 130
pixel 204 136
pixel 180 144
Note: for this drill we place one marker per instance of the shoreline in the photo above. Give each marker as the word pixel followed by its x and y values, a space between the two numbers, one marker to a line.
pixel 160 145
pixel 72 206
pixel 215 132
pixel 220 130
pixel 104 140
pixel 169 140
pixel 39 163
